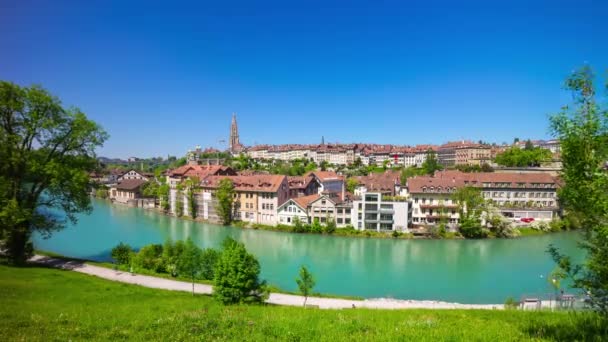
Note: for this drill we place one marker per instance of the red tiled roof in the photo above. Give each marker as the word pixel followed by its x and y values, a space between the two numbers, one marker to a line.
pixel 130 184
pixel 380 181
pixel 199 171
pixel 452 178
pixel 255 183
pixel 304 201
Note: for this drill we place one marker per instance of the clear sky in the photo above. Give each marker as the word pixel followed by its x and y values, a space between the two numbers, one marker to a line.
pixel 163 78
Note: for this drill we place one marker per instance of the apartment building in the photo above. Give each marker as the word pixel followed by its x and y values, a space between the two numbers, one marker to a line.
pixel 300 186
pixel 516 195
pixel 374 211
pixel 387 183
pixel 329 181
pixel 257 197
pixel 330 206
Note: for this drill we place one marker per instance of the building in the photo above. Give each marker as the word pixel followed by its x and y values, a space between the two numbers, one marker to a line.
pixel 127 190
pixel 300 186
pixel 257 197
pixel 463 153
pixel 295 208
pixel 374 211
pixel 181 173
pixel 330 206
pixel 235 146
pixel 387 183
pixel 329 181
pixel 516 195
pixel 431 200
pixel 132 174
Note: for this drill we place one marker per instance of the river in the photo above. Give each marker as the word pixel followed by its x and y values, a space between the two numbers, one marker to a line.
pixel 464 271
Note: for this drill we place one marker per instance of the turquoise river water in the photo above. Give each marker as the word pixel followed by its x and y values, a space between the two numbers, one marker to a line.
pixel 465 271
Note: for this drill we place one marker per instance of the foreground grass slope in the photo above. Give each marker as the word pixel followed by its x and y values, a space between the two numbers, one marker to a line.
pixel 48 304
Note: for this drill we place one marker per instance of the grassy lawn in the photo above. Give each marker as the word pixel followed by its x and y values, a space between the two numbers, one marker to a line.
pixel 47 304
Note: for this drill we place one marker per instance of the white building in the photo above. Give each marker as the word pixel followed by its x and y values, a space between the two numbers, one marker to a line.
pixel 374 212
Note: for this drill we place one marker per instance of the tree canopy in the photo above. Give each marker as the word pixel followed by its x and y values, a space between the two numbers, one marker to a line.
pixel 582 130
pixel 523 157
pixel 47 153
pixel 225 199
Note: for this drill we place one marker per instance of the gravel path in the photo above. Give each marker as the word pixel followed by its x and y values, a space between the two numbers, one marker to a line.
pixel 274 298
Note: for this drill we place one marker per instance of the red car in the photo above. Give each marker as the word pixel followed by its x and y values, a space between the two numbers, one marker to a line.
pixel 527 219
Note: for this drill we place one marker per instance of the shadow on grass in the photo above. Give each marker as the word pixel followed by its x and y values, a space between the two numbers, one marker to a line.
pixel 580 326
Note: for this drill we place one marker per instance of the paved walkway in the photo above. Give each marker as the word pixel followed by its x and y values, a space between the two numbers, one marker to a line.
pixel 274 298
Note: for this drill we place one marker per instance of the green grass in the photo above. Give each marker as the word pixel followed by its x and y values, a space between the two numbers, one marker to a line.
pixel 530 232
pixel 40 304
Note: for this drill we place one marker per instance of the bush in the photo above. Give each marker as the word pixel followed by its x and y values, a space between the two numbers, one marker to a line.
pixel 471 228
pixel 101 193
pixel 121 254
pixel 395 234
pixel 315 227
pixel 237 276
pixel 330 227
pixel 511 303
pixel 298 227
pixel 171 255
pixel 209 258
pixel 150 258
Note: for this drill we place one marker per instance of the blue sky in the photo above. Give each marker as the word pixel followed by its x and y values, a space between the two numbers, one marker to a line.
pixel 161 78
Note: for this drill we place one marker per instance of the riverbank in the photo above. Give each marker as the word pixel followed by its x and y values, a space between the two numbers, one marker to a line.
pixel 522 231
pixel 42 304
pixel 274 298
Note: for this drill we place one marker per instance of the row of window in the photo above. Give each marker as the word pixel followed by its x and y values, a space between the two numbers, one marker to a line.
pixel 267 206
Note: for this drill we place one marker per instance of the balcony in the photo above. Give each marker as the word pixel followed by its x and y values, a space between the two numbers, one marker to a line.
pixel 439 206
pixel 387 210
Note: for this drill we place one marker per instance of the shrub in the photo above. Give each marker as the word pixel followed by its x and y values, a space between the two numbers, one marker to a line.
pixel 209 258
pixel 150 258
pixel 101 193
pixel 315 227
pixel 298 227
pixel 511 303
pixel 237 276
pixel 330 227
pixel 395 234
pixel 121 254
pixel 171 254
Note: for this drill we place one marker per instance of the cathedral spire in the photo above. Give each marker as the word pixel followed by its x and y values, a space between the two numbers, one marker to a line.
pixel 234 144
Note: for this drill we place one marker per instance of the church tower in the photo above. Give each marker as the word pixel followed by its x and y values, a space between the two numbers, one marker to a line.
pixel 235 145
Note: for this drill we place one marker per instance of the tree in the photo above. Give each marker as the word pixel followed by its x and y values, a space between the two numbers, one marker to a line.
pixel 431 164
pixel 306 283
pixel 149 257
pixel 209 258
pixel 471 205
pixel 192 184
pixel 324 165
pixel 528 157
pixel 315 227
pixel 351 184
pixel 121 254
pixel 358 163
pixel 189 263
pixel 583 134
pixel 46 153
pixel 330 225
pixel 237 276
pixel 298 227
pixel 225 199
pixel 163 197
pixel 171 255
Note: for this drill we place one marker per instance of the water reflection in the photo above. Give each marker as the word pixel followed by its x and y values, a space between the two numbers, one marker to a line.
pixel 484 271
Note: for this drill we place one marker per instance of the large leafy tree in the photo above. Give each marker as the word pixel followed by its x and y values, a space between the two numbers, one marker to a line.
pixel 471 206
pixel 47 153
pixel 237 275
pixel 225 199
pixel 582 130
pixel 528 156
